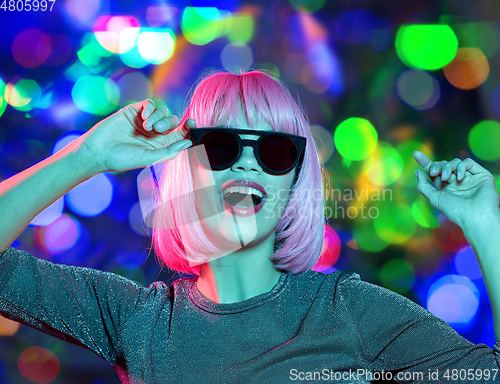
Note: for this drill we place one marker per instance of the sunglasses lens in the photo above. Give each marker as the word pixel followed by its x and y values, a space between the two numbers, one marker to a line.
pixel 221 147
pixel 278 153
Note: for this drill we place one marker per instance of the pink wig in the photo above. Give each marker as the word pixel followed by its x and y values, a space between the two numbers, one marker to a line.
pixel 216 102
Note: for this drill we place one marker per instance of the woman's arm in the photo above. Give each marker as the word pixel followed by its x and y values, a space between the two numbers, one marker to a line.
pixel 466 193
pixel 414 346
pixel 26 194
pixel 483 234
pixel 125 140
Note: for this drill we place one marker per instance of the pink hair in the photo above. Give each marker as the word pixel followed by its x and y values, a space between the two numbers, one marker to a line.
pixel 216 99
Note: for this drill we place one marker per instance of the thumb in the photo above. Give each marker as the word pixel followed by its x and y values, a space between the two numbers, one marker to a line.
pixel 168 153
pixel 182 130
pixel 425 187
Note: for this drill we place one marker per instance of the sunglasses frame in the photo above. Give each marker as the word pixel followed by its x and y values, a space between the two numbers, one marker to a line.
pixel 196 134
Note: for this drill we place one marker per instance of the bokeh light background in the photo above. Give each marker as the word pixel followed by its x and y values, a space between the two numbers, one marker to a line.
pixel 378 79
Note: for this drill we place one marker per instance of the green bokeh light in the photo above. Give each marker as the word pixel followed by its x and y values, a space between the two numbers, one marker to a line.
pixel 497 178
pixel 478 34
pixel 395 223
pixel 385 166
pixel 398 275
pixel 96 94
pixel 307 6
pixel 355 138
pixel 242 28
pixel 92 52
pixel 406 149
pixel 77 70
pixel 427 47
pixel 201 25
pixel 484 140
pixel 29 90
pixel 3 102
pixel 367 239
pixel 424 214
pixel 89 56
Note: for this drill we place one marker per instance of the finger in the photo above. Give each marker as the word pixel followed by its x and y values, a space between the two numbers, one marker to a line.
pixel 422 160
pixel 471 166
pixel 157 115
pixel 182 131
pixel 169 153
pixel 166 124
pixel 436 168
pixel 425 187
pixel 148 106
pixel 432 168
pixel 449 169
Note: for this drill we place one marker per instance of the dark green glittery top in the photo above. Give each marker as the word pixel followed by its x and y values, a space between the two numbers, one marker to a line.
pixel 308 326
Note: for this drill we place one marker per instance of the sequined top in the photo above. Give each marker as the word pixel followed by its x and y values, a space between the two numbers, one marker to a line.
pixel 311 327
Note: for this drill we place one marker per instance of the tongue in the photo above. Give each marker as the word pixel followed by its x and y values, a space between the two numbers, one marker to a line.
pixel 247 202
pixel 239 200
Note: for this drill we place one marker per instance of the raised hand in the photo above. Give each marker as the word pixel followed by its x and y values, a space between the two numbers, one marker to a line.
pixel 136 136
pixel 464 191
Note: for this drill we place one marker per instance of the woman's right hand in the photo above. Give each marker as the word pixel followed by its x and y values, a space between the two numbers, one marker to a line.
pixel 137 136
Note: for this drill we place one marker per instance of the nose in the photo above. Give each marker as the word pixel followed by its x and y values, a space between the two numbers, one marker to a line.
pixel 247 162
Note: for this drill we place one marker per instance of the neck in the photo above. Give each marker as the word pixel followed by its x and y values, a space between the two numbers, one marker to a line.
pixel 239 275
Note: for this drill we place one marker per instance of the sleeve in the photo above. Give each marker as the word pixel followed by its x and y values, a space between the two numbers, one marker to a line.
pixel 83 306
pixel 400 336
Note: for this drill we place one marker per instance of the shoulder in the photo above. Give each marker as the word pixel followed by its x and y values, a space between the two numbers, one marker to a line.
pixel 332 280
pixel 366 300
pixel 346 287
pixel 318 284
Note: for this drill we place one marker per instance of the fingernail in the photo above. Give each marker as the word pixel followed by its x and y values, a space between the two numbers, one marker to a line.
pixel 174 119
pixel 160 125
pixel 149 123
pixel 444 174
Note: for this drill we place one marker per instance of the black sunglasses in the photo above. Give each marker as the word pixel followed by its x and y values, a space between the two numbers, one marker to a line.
pixel 277 153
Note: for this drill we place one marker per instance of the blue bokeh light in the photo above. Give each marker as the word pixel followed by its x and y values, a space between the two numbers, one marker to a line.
pixel 465 263
pixel 92 196
pixel 62 234
pixel 455 299
pixel 132 260
pixel 229 5
pixel 136 221
pixel 49 214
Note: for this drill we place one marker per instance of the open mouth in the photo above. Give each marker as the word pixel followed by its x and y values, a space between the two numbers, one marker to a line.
pixel 242 200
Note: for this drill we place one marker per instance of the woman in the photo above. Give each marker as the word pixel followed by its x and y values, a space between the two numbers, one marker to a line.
pixel 255 313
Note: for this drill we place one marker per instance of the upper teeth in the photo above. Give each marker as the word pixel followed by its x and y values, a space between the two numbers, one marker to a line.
pixel 245 190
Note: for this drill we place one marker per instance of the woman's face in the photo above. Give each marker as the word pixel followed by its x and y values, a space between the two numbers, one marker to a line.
pixel 230 228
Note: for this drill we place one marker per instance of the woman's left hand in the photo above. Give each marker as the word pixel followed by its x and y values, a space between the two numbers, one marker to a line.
pixel 464 191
